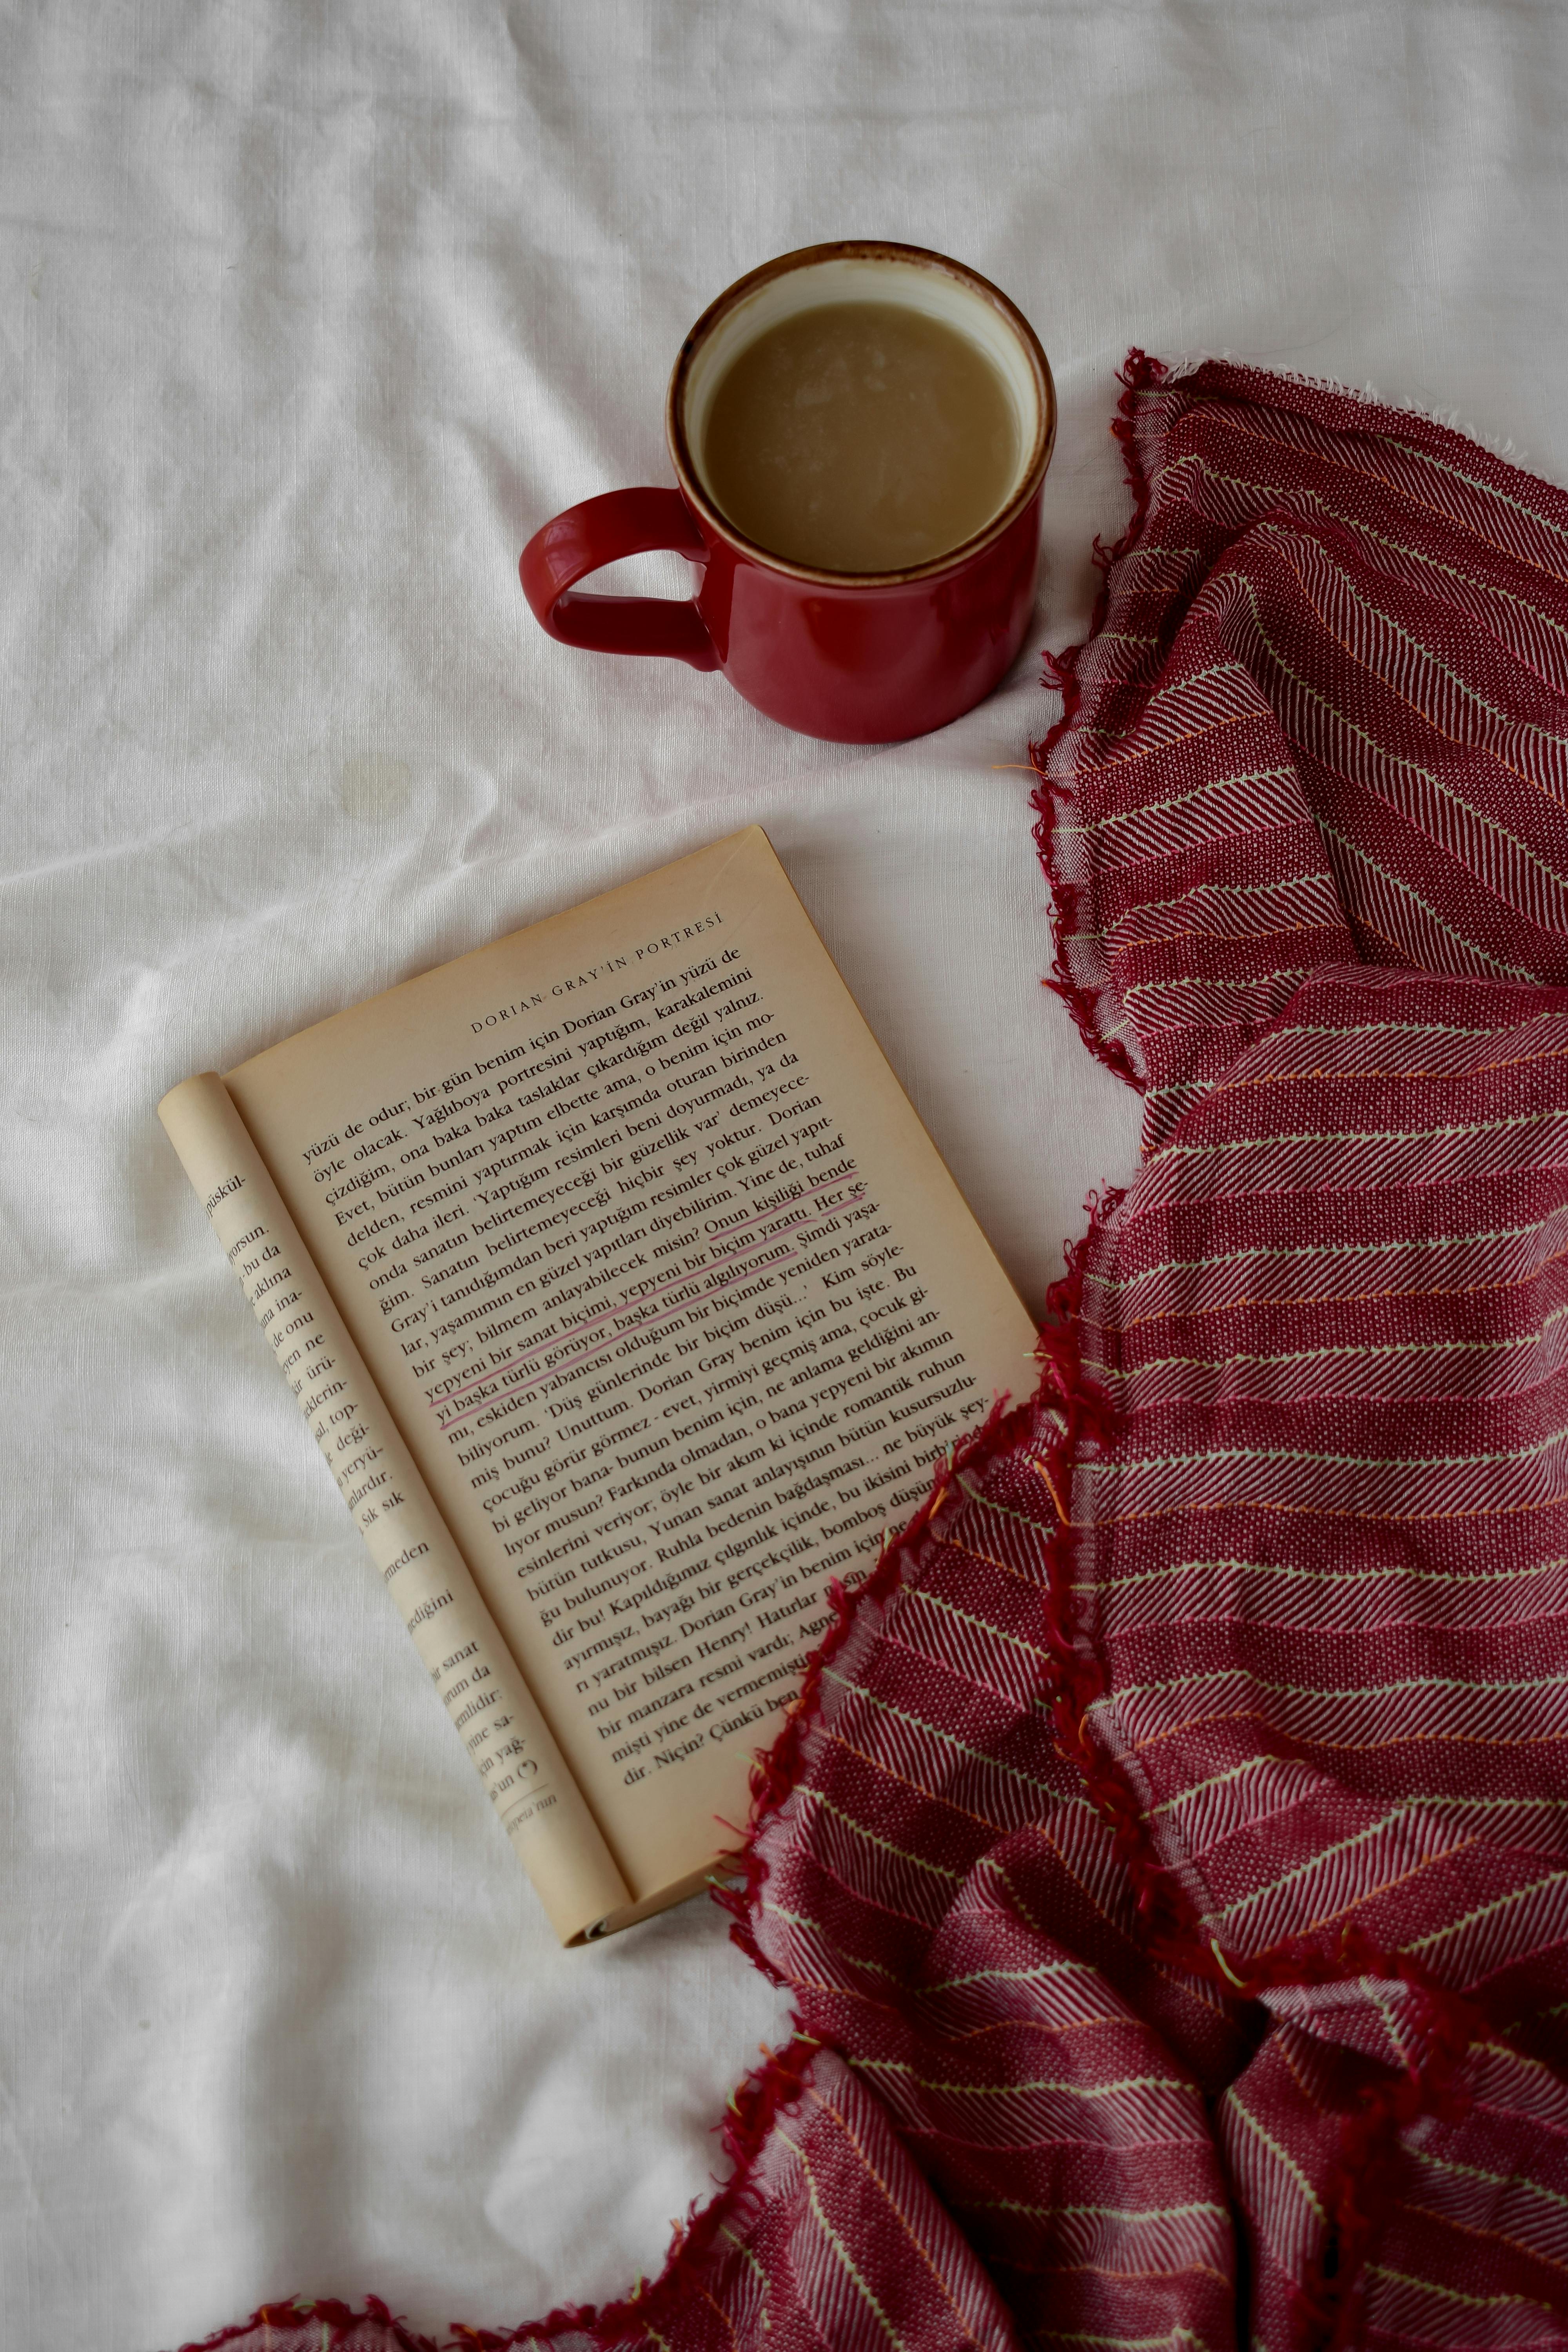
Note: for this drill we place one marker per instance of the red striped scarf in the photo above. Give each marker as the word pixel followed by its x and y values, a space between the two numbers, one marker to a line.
pixel 1169 1855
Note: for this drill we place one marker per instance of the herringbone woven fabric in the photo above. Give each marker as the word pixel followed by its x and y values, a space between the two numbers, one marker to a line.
pixel 1169 1855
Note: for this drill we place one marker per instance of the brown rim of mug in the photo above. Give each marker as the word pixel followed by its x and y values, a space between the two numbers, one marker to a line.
pixel 870 249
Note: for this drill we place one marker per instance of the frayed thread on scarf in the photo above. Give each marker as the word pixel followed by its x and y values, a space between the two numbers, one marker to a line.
pixel 335 2325
pixel 1362 2188
pixel 1082 1001
pixel 1139 376
pixel 1081 1412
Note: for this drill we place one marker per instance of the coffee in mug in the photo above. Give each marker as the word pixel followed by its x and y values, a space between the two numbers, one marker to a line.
pixel 860 436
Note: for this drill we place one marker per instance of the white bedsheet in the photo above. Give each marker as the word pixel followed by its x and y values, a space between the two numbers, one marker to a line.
pixel 307 317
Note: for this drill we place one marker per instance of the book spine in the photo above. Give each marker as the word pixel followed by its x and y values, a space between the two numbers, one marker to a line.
pixel 540 1807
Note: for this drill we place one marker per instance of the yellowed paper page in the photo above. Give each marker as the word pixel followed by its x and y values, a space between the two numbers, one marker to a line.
pixel 529 1785
pixel 669 1295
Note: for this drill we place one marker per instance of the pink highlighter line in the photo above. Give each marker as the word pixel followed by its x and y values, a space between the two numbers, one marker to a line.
pixel 609 1338
pixel 436 1403
pixel 565 1338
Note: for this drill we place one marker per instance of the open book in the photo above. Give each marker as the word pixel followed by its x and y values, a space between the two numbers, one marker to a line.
pixel 628 1301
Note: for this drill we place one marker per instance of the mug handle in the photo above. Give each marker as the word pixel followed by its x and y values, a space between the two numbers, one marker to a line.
pixel 599 532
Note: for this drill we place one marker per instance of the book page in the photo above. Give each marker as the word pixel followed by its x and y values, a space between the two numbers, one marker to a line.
pixel 539 1807
pixel 669 1295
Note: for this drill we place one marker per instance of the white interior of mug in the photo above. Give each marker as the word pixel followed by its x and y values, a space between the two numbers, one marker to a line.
pixel 920 285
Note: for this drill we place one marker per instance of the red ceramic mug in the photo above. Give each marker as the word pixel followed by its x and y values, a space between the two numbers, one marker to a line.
pixel 857 658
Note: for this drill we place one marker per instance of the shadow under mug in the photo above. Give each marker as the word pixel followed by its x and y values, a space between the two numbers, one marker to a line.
pixel 855 657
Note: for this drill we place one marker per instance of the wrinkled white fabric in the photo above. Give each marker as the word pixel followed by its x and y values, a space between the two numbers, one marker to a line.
pixel 307 317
